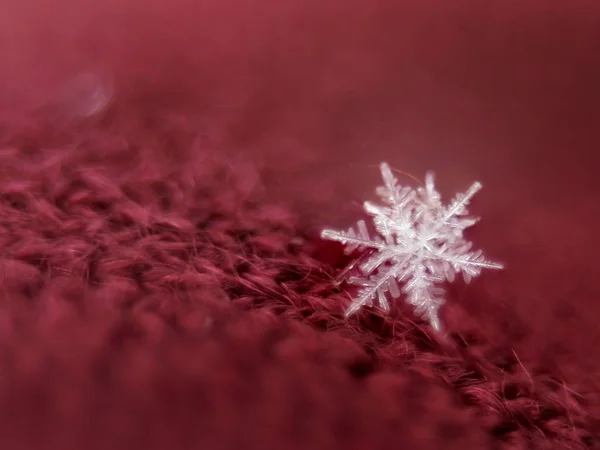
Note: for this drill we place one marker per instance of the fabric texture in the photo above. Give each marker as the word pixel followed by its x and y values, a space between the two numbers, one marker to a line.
pixel 165 170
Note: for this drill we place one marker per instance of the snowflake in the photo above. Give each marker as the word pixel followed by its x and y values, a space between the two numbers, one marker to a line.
pixel 420 244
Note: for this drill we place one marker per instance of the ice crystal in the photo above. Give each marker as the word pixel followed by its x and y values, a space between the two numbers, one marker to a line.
pixel 419 245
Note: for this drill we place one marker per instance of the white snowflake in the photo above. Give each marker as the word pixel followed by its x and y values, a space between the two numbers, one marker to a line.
pixel 420 245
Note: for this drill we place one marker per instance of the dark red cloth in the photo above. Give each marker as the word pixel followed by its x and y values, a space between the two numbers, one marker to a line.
pixel 162 283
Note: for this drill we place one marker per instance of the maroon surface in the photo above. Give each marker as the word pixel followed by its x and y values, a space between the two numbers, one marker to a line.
pixel 162 285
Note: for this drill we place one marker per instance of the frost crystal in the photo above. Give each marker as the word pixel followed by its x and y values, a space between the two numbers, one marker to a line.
pixel 420 244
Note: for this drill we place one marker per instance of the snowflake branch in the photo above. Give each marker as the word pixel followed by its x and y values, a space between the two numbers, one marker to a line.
pixel 352 239
pixel 461 201
pixel 377 286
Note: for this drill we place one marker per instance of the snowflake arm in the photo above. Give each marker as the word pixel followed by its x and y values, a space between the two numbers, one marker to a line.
pixel 353 240
pixel 425 296
pixel 420 244
pixel 458 207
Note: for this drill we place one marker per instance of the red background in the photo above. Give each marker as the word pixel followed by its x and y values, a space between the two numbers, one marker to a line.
pixel 317 93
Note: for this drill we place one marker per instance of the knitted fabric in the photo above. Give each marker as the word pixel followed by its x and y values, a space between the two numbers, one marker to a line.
pixel 162 287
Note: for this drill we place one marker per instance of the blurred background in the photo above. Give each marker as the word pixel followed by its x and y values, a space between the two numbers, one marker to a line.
pixel 318 93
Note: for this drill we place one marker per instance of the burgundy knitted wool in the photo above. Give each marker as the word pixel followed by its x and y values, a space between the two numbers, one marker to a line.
pixel 162 280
